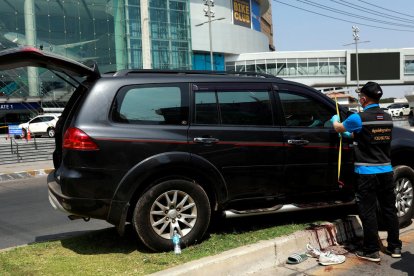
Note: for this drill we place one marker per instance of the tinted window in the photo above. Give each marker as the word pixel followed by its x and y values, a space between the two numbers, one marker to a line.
pixel 233 108
pixel 151 105
pixel 47 119
pixel 36 120
pixel 398 106
pixel 206 111
pixel 303 111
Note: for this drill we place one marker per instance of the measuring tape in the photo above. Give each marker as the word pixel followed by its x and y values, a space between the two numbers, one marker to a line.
pixel 341 184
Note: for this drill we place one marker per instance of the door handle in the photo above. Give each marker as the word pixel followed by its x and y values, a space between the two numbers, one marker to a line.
pixel 298 142
pixel 206 140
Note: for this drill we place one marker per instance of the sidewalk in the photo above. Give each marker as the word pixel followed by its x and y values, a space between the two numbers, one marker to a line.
pixel 25 170
pixel 272 254
pixel 269 257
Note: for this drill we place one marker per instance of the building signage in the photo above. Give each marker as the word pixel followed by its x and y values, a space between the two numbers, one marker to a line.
pixel 15 130
pixel 242 13
pixel 6 107
pixel 19 106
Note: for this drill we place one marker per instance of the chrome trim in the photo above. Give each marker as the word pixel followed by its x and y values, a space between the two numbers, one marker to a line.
pixel 55 203
pixel 285 208
pixel 372 164
pixel 378 123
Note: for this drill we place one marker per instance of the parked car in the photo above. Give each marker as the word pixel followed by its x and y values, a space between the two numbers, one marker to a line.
pixel 168 150
pixel 399 109
pixel 41 125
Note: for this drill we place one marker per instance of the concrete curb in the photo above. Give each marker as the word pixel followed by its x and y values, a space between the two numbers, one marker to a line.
pixel 24 174
pixel 266 254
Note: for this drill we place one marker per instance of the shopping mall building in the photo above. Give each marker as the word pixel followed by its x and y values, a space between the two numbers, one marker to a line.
pixel 153 34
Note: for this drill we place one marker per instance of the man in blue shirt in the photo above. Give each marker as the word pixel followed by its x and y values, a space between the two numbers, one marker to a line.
pixel 372 134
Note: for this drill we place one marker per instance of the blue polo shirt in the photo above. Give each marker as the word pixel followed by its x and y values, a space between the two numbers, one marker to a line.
pixel 354 124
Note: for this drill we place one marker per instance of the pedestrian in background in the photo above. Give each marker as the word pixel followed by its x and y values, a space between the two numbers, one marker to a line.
pixel 371 130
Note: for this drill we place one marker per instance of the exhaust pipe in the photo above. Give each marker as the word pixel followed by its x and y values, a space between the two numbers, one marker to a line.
pixel 75 217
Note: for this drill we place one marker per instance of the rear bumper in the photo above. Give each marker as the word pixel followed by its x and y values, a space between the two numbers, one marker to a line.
pixel 84 207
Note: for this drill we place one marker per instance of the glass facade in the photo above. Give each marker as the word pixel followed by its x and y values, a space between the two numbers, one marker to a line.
pixel 107 32
pixel 292 66
pixel 170 34
pixel 409 65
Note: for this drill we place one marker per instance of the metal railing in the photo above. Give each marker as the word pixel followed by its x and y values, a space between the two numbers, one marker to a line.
pixel 12 140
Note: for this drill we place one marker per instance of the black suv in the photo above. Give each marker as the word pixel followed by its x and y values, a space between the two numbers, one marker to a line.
pixel 167 150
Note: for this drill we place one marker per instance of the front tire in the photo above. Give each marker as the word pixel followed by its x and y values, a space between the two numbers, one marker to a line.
pixel 171 205
pixel 404 181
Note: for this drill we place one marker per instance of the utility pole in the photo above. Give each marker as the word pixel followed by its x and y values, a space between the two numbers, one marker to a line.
pixel 210 14
pixel 355 31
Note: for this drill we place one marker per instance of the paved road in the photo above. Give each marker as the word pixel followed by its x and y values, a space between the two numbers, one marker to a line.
pixel 26 215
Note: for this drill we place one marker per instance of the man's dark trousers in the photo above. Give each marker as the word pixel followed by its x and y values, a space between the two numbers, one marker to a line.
pixel 371 187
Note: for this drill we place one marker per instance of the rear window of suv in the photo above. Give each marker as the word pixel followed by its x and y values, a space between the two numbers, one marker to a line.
pixel 151 104
pixel 233 108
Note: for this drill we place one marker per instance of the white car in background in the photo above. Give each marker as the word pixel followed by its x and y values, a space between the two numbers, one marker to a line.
pixel 41 125
pixel 399 109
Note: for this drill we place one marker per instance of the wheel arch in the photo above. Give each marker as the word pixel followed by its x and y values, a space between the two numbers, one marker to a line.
pixel 163 167
pixel 402 153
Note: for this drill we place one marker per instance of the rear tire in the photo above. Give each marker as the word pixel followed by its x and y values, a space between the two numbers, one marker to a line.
pixel 51 132
pixel 172 205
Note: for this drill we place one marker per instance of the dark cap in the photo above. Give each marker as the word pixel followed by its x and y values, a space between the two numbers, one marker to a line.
pixel 372 90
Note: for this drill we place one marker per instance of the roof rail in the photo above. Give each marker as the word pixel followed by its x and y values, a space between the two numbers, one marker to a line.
pixel 127 72
pixel 253 74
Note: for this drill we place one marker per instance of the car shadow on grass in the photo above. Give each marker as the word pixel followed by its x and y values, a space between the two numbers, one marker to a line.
pixel 108 241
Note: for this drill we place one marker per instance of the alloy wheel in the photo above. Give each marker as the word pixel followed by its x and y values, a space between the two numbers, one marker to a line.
pixel 173 210
pixel 404 196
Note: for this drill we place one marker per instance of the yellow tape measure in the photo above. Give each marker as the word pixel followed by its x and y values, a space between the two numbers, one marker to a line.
pixel 340 144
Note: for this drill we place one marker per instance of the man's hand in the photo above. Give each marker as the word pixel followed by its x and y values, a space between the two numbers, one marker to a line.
pixel 335 118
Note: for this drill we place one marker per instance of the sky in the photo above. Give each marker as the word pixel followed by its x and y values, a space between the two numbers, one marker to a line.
pixel 327 25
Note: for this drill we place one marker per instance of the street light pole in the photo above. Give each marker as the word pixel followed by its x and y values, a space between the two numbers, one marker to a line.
pixel 209 13
pixel 211 39
pixel 355 31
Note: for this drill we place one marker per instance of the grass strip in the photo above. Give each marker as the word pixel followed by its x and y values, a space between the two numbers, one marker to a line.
pixel 104 252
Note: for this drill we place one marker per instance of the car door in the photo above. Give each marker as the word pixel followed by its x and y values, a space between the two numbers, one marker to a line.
pixel 35 125
pixel 233 128
pixel 312 145
pixel 47 122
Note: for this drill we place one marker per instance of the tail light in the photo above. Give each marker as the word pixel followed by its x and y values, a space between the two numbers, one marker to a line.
pixel 76 139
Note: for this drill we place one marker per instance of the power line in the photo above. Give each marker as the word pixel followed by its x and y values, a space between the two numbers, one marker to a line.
pixel 311 3
pixel 364 9
pixel 343 20
pixel 386 9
